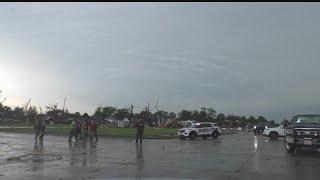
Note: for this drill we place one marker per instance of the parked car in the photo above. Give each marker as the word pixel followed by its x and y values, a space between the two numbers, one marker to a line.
pixel 274 133
pixel 302 131
pixel 200 129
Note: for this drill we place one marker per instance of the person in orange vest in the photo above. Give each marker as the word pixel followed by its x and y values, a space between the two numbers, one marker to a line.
pixel 93 130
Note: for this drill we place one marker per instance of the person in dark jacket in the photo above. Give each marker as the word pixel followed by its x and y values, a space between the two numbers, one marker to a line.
pixel 140 129
pixel 40 128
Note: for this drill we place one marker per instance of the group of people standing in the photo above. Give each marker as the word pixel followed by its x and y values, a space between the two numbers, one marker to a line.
pixel 80 129
pixel 84 129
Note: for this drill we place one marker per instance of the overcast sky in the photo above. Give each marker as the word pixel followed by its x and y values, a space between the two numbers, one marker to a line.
pixel 247 58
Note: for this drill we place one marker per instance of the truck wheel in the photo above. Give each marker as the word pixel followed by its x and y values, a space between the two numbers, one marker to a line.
pixel 273 135
pixel 214 134
pixel 289 147
pixel 204 137
pixel 192 135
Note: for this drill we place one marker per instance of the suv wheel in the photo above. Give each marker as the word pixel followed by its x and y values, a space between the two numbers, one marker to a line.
pixel 273 135
pixel 192 135
pixel 289 147
pixel 215 134
pixel 204 137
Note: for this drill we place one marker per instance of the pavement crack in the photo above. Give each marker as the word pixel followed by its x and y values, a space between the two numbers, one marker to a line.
pixel 242 165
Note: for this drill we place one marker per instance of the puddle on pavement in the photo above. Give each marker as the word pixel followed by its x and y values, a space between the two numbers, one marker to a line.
pixel 35 158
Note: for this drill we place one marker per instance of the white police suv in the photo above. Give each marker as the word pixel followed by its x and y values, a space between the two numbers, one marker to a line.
pixel 202 129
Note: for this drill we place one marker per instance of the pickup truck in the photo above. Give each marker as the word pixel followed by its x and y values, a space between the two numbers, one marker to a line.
pixel 302 131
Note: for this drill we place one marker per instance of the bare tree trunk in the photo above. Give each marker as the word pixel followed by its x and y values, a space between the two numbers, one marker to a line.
pixel 26 112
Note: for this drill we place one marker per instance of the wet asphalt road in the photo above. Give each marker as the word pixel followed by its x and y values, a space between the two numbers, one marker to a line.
pixel 235 156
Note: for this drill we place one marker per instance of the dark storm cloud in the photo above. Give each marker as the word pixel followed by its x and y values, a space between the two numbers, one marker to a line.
pixel 248 58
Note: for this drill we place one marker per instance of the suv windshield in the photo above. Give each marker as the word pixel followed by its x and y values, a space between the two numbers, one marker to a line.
pixel 306 119
pixel 193 126
pixel 262 123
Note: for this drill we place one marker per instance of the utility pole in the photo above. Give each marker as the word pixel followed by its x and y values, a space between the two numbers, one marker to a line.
pixel 26 112
pixel 63 109
pixel 156 106
pixel 3 99
pixel 131 112
pixel 148 105
pixel 64 104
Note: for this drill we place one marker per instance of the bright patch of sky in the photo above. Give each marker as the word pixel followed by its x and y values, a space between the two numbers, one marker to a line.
pixel 240 58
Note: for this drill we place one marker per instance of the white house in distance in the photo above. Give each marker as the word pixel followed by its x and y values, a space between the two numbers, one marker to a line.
pixel 123 123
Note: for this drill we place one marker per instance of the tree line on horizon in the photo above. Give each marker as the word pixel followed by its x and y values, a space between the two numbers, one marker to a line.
pixel 109 112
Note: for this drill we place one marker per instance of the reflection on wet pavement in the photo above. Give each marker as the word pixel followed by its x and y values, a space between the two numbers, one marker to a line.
pixel 38 146
pixel 139 160
pixel 235 156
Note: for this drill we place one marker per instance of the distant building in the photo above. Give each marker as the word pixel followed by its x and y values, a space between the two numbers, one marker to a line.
pixel 123 123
